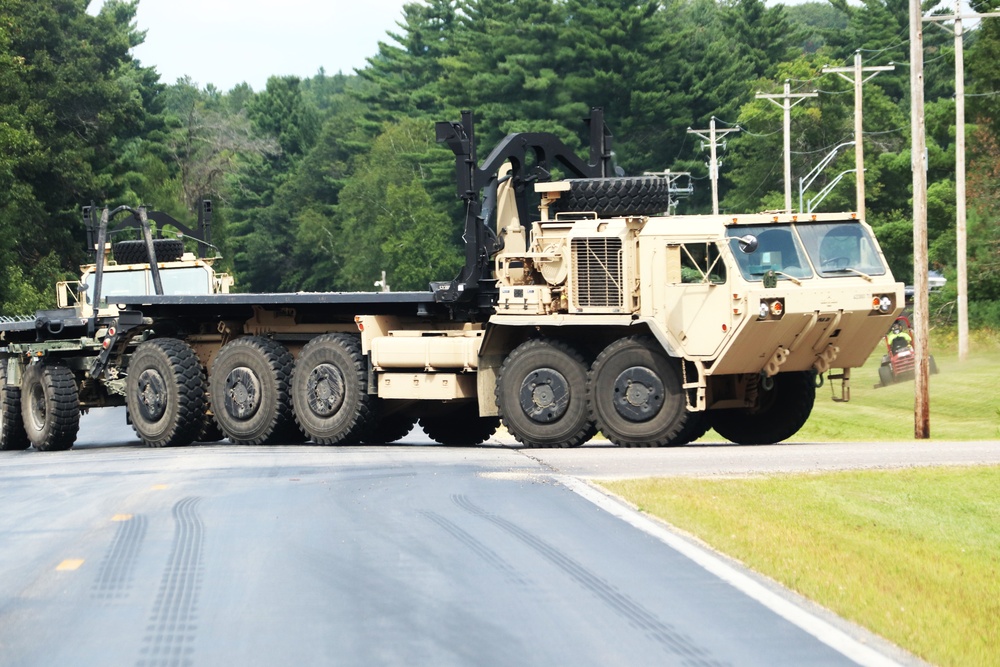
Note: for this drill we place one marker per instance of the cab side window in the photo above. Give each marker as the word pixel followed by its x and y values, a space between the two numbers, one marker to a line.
pixel 701 263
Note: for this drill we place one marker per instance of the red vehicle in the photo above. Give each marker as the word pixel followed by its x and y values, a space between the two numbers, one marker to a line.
pixel 900 358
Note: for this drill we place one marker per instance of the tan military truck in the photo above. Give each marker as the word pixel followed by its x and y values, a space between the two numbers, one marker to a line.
pixel 581 308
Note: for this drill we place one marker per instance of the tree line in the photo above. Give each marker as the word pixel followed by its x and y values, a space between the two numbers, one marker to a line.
pixel 322 183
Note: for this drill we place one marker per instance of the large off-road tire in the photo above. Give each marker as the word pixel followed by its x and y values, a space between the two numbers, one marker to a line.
pixel 134 252
pixel 165 393
pixel 390 428
pixel 697 425
pixel 780 412
pixel 542 397
pixel 460 425
pixel 637 195
pixel 330 391
pixel 50 406
pixel 251 390
pixel 12 434
pixel 635 394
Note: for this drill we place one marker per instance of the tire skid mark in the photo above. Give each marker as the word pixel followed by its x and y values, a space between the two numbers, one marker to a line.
pixel 637 616
pixel 489 556
pixel 172 627
pixel 114 580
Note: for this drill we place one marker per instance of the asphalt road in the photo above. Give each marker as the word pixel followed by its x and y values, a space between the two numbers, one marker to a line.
pixel 114 554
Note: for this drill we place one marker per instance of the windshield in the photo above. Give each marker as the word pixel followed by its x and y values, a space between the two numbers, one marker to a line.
pixel 839 248
pixel 776 250
pixel 179 281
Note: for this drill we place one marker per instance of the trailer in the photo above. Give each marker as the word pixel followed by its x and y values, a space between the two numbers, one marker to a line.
pixel 581 308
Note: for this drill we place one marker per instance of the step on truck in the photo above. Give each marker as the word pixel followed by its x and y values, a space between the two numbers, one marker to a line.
pixel 581 308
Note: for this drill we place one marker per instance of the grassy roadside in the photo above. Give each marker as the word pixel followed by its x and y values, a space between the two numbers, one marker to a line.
pixel 913 555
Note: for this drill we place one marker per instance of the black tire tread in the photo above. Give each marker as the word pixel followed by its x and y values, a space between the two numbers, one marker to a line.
pixel 63 411
pixel 781 419
pixel 279 362
pixel 634 195
pixel 362 421
pixel 189 381
pixel 584 433
pixel 12 433
pixel 676 435
pixel 134 252
pixel 460 427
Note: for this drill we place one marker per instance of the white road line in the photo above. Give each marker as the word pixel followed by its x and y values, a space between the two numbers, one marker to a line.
pixel 815 626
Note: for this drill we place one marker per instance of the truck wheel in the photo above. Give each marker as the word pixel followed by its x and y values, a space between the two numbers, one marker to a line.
pixel 50 406
pixel 12 433
pixel 885 375
pixel 461 425
pixel 134 252
pixel 637 195
pixel 780 413
pixel 697 425
pixel 165 393
pixel 330 390
pixel 390 428
pixel 250 389
pixel 635 396
pixel 541 396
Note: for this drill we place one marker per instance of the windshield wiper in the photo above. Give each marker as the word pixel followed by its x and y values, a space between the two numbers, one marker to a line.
pixel 848 269
pixel 777 273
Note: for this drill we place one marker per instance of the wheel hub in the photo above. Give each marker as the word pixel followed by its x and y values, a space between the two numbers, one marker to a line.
pixel 152 395
pixel 242 393
pixel 544 395
pixel 325 389
pixel 639 394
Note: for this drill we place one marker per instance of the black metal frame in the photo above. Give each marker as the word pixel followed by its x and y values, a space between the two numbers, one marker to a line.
pixel 475 283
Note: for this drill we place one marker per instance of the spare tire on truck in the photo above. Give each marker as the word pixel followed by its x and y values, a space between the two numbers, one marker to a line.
pixel 134 252
pixel 633 195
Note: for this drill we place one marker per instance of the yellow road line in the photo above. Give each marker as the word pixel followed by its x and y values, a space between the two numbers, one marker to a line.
pixel 69 565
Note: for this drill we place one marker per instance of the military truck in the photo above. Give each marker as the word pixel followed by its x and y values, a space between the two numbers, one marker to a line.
pixel 70 338
pixel 580 308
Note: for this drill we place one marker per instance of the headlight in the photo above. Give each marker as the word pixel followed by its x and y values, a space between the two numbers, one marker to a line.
pixel 771 309
pixel 882 303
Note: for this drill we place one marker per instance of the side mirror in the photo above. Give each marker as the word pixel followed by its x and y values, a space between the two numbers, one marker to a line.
pixel 748 244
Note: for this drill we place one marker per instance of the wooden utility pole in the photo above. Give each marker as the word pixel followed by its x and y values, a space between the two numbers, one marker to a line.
pixel 921 408
pixel 713 165
pixel 786 105
pixel 859 151
pixel 961 232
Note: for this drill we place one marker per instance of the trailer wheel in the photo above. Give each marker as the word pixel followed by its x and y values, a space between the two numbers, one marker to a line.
pixel 12 433
pixel 250 389
pixel 637 195
pixel 459 426
pixel 541 396
pixel 165 393
pixel 50 406
pixel 780 413
pixel 330 390
pixel 134 252
pixel 635 395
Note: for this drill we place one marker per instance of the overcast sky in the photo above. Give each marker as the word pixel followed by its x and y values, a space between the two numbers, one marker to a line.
pixel 226 42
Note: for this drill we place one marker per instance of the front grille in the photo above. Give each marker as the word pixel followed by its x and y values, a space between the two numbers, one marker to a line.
pixel 597 273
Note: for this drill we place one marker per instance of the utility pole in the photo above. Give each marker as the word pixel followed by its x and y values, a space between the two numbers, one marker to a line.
pixel 961 233
pixel 713 165
pixel 921 407
pixel 859 151
pixel 786 105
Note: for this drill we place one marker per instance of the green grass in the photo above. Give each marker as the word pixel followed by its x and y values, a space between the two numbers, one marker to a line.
pixel 913 555
pixel 964 399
